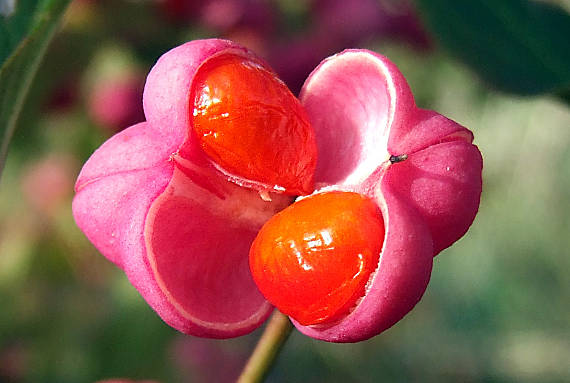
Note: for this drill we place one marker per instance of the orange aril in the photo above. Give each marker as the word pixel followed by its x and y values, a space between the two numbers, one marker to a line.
pixel 250 124
pixel 314 259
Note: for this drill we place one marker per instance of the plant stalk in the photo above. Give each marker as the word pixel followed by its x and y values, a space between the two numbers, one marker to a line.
pixel 267 349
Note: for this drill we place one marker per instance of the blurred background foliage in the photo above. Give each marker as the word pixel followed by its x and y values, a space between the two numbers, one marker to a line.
pixel 497 308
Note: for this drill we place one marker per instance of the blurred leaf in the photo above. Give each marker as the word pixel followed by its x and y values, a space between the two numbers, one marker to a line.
pixel 24 37
pixel 517 46
pixel 14 25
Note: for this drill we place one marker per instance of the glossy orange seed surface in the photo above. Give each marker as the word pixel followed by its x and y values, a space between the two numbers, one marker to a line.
pixel 251 125
pixel 314 259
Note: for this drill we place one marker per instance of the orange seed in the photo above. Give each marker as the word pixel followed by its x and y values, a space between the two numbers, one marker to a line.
pixel 314 259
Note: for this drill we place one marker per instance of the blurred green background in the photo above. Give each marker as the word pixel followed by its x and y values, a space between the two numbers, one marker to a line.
pixel 497 307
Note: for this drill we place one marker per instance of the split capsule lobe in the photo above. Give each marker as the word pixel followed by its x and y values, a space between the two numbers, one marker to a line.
pixel 314 259
pixel 250 124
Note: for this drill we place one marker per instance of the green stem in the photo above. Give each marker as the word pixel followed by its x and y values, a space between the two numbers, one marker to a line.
pixel 267 349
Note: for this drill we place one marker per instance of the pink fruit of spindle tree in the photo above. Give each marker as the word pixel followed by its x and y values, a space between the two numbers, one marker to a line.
pixel 178 200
